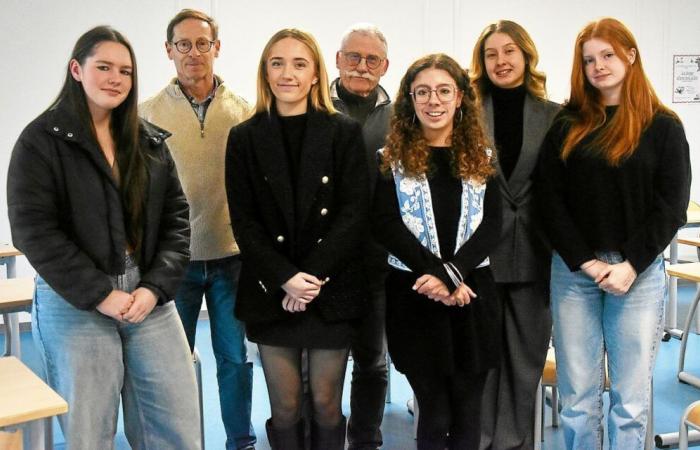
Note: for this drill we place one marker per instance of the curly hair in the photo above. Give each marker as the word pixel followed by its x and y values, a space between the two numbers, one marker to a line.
pixel 406 144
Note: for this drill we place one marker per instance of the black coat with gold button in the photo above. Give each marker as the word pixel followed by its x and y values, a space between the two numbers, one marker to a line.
pixel 316 227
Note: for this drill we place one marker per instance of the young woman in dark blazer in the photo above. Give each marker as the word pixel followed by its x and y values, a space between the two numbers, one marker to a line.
pixel 615 179
pixel 296 183
pixel 437 210
pixel 517 116
pixel 96 206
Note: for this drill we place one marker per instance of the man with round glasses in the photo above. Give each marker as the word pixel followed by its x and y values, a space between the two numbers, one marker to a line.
pixel 199 110
pixel 362 61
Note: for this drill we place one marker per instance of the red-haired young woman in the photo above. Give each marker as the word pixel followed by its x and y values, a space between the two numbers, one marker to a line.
pixel 615 179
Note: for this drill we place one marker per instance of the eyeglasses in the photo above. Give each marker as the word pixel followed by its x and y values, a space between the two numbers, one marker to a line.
pixel 445 93
pixel 185 45
pixel 354 58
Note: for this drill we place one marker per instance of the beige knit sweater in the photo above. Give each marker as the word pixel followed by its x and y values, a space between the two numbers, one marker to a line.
pixel 199 155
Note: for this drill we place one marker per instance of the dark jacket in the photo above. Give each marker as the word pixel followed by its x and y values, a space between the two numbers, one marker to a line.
pixel 318 230
pixel 375 128
pixel 66 212
pixel 374 132
pixel 522 255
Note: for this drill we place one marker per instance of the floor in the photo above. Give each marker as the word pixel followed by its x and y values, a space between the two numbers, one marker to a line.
pixel 670 396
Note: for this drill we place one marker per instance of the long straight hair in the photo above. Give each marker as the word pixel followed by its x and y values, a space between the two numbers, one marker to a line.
pixel 535 80
pixel 320 96
pixel 618 137
pixel 124 128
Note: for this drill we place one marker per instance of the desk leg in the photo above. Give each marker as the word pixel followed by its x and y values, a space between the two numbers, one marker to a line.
pixel 38 435
pixel 672 311
pixel 11 267
pixel 11 321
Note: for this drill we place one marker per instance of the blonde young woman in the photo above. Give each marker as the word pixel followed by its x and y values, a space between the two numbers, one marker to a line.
pixel 615 179
pixel 297 192
pixel 517 116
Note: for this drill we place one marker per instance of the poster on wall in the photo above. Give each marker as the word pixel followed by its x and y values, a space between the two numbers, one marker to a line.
pixel 686 79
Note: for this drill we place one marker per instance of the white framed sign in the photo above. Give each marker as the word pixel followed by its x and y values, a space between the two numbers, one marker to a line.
pixel 686 78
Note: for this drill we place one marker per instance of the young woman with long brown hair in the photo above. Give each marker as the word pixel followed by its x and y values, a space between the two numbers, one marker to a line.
pixel 96 206
pixel 517 115
pixel 615 178
pixel 437 211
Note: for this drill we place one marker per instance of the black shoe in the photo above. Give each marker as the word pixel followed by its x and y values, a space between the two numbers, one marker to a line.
pixel 328 438
pixel 291 438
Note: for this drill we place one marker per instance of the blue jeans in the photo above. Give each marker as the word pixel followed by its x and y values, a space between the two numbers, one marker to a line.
pixel 589 322
pixel 92 360
pixel 217 281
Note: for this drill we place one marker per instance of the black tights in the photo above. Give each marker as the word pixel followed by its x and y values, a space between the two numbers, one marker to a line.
pixel 282 367
pixel 450 409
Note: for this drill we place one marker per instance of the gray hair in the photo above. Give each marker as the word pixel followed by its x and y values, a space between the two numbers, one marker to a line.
pixel 367 29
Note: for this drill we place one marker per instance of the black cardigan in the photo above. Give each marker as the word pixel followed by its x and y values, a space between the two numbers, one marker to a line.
pixel 318 231
pixel 66 212
pixel 634 209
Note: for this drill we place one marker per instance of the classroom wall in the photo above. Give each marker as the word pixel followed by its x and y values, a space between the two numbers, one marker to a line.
pixel 37 37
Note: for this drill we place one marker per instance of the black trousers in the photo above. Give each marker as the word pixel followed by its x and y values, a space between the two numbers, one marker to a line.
pixel 369 373
pixel 508 410
pixel 450 409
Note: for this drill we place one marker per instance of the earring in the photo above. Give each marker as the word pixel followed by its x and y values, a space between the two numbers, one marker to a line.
pixel 413 119
pixel 461 115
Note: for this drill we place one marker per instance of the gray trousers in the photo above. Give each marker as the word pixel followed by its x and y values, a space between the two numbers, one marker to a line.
pixel 508 407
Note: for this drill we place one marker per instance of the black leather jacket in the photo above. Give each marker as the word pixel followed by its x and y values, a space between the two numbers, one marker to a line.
pixel 66 214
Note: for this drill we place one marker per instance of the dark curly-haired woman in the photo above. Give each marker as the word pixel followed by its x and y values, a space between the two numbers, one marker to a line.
pixel 437 211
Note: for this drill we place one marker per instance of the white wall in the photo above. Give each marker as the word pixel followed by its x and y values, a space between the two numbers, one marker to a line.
pixel 37 37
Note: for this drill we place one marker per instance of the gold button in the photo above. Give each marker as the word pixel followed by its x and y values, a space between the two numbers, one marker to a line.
pixel 324 211
pixel 280 238
pixel 324 180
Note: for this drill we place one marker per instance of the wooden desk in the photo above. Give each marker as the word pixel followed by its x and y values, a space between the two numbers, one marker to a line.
pixel 671 328
pixel 26 399
pixel 7 257
pixel 15 296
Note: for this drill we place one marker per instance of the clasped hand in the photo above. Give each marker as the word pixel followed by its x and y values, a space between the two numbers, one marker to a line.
pixel 615 279
pixel 300 290
pixel 433 288
pixel 128 307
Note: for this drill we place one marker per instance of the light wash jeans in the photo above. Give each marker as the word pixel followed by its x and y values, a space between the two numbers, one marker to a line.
pixel 92 360
pixel 587 323
pixel 217 281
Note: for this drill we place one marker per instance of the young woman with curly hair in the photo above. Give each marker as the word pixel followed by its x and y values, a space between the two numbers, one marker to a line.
pixel 615 179
pixel 437 211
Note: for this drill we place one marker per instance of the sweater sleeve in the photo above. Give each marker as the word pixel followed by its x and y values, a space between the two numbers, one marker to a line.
pixel 670 200
pixel 256 245
pixel 551 181
pixel 33 207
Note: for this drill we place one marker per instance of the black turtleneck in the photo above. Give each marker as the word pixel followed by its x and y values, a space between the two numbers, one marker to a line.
pixel 508 125
pixel 358 106
pixel 293 129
